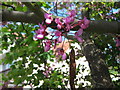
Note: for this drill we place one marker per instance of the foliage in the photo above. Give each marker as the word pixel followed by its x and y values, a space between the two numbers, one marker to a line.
pixel 27 54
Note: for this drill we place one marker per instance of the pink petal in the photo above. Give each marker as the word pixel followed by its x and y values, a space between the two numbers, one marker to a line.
pixel 57 20
pixel 72 19
pixel 80 39
pixel 47 48
pixel 48 42
pixel 86 21
pixel 40 31
pixel 68 27
pixel 72 13
pixel 46 15
pixel 66 20
pixel 60 39
pixel 117 43
pixel 40 36
pixel 80 31
pixel 59 26
pixel 40 25
pixel 64 56
pixel 83 26
pixel 58 33
pixel 48 21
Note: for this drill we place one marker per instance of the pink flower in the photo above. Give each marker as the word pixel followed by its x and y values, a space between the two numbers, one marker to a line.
pixel 41 32
pixel 80 31
pixel 59 40
pixel 79 39
pixel 68 27
pixel 48 21
pixel 72 13
pixel 84 23
pixel 59 26
pixel 48 18
pixel 42 26
pixel 58 33
pixel 64 56
pixel 40 36
pixel 62 53
pixel 47 45
pixel 77 34
pixel 57 20
pixel 67 20
pixel 117 42
pixel 46 15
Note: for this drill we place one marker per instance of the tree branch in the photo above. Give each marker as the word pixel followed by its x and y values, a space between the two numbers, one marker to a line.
pixel 98 26
pixel 99 70
pixel 36 9
pixel 17 16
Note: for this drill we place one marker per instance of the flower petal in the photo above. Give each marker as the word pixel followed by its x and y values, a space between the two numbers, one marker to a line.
pixel 46 15
pixel 59 26
pixel 72 13
pixel 80 39
pixel 48 21
pixel 83 26
pixel 64 56
pixel 60 39
pixel 40 36
pixel 80 31
pixel 86 21
pixel 58 33
pixel 57 20
pixel 47 48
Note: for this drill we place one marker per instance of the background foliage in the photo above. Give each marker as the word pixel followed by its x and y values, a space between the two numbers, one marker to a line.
pixel 26 52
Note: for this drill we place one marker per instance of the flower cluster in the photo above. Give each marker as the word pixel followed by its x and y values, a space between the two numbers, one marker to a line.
pixel 63 25
pixel 40 33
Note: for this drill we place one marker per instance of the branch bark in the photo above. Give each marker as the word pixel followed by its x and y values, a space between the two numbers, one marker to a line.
pixel 38 11
pixel 99 70
pixel 98 26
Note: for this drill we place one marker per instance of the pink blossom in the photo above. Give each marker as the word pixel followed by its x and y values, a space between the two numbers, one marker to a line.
pixel 62 53
pixel 59 26
pixel 68 27
pixel 64 56
pixel 47 45
pixel 72 13
pixel 42 26
pixel 84 23
pixel 68 20
pixel 48 21
pixel 58 33
pixel 59 39
pixel 48 18
pixel 57 20
pixel 40 36
pixel 79 39
pixel 41 32
pixel 77 34
pixel 117 42
pixel 80 31
pixel 47 48
pixel 83 26
pixel 46 73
